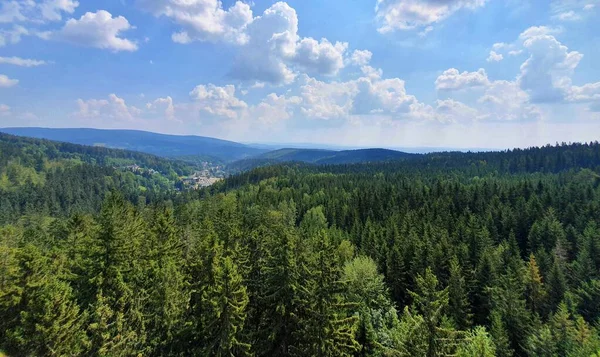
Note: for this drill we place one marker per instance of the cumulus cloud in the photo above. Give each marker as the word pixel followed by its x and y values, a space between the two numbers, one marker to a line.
pixel 272 40
pixel 546 74
pixel 451 111
pixel 97 29
pixel 6 82
pixel 366 95
pixel 320 57
pixel 269 47
pixel 361 57
pixel 495 57
pixel 111 108
pixel 165 105
pixel 535 31
pixel 587 93
pixel 23 62
pixel 275 52
pixel 322 100
pixel 505 100
pixel 451 79
pixel 217 101
pixel 203 20
pixel 275 108
pixel 410 14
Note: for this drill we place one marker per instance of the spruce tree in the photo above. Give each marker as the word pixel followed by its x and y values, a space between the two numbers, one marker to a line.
pixel 431 303
pixel 458 303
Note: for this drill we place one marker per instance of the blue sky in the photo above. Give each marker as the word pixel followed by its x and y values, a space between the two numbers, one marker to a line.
pixel 393 73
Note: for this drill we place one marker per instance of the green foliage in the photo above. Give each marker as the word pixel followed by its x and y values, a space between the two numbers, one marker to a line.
pixel 448 254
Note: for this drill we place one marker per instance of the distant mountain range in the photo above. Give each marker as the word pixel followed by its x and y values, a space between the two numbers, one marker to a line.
pixel 238 157
pixel 152 143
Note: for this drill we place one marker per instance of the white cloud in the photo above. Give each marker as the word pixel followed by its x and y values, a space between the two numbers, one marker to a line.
pixel 166 105
pixel 275 52
pixel 546 74
pixel 452 79
pixel 111 108
pixel 367 95
pixel 203 20
pixel 35 11
pixel 320 57
pixel 567 16
pixel 99 30
pixel 495 57
pixel 272 41
pixel 425 31
pixel 589 7
pixel 217 101
pixel 588 93
pixel 451 111
pixel 505 100
pixel 322 100
pixel 535 31
pixel 10 11
pixel 409 14
pixel 12 36
pixel 23 62
pixel 275 108
pixel 51 9
pixel 500 45
pixel 515 52
pixel 361 57
pixel 6 82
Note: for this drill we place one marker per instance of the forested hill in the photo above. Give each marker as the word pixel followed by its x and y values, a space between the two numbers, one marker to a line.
pixel 319 157
pixel 466 165
pixel 189 146
pixel 53 178
pixel 452 254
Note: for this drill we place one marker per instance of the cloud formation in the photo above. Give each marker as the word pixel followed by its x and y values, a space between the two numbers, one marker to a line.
pixel 6 82
pixel 112 108
pixel 410 14
pixel 203 20
pixel 97 29
pixel 451 79
pixel 23 62
pixel 35 11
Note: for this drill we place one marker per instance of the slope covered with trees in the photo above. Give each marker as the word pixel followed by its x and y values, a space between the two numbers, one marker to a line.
pixel 56 179
pixel 492 254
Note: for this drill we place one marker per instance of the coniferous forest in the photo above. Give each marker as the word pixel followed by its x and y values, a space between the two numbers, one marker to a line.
pixel 447 254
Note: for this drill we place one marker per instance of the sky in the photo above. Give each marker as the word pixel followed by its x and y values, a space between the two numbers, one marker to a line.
pixel 378 73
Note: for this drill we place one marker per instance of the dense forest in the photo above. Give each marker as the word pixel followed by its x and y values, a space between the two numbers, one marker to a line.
pixel 56 179
pixel 450 254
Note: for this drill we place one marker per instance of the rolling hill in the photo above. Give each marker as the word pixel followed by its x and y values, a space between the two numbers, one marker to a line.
pixel 190 146
pixel 320 157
